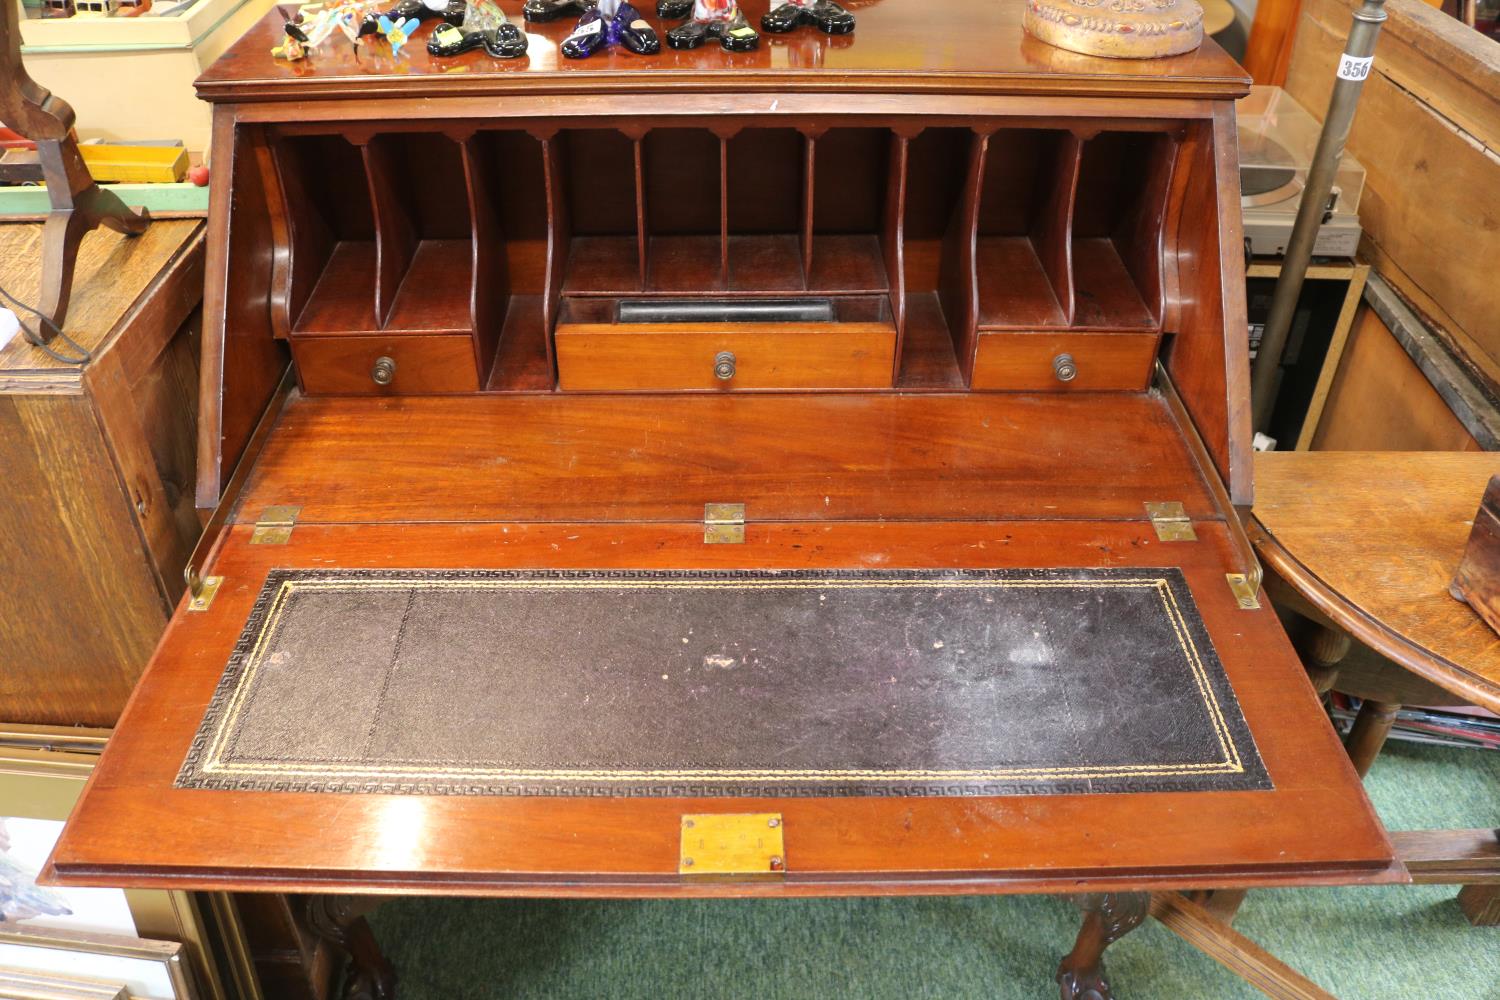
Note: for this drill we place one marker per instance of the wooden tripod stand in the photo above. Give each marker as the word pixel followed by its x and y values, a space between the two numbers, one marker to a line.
pixel 78 203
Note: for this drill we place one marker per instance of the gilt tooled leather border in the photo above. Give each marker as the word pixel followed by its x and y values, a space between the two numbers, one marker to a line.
pixel 209 764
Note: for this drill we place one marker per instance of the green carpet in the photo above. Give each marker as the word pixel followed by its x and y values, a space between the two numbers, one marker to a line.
pixel 1391 942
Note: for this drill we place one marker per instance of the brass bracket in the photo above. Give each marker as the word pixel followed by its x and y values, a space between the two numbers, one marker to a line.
pixel 1171 522
pixel 723 523
pixel 275 525
pixel 201 589
pixel 1244 591
pixel 732 844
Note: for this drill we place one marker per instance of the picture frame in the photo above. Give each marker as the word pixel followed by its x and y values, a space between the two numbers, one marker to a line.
pixel 43 770
pixel 148 969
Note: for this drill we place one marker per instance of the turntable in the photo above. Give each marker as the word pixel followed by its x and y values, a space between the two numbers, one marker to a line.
pixel 1277 139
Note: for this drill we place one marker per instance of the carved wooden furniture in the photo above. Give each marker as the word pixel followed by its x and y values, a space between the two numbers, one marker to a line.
pixel 78 204
pixel 98 514
pixel 1365 546
pixel 945 299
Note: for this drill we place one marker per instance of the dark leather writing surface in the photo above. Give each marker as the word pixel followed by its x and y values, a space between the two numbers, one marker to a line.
pixel 746 683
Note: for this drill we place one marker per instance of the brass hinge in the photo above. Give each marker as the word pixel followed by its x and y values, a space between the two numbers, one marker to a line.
pixel 723 523
pixel 732 844
pixel 1244 591
pixel 1171 522
pixel 275 525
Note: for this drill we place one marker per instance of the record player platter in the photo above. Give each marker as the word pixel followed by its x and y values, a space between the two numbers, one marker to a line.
pixel 1268 173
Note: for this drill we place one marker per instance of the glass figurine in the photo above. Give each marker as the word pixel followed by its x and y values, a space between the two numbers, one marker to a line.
pixel 311 26
pixel 484 24
pixel 397 33
pixel 826 15
pixel 551 10
pixel 611 22
pixel 293 44
pixel 721 19
pixel 416 11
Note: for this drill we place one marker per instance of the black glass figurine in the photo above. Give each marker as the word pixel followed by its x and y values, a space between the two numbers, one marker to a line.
pixel 451 11
pixel 611 22
pixel 485 25
pixel 551 10
pixel 721 19
pixel 826 15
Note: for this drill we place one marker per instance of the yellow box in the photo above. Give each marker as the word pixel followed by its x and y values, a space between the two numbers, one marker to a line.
pixel 135 164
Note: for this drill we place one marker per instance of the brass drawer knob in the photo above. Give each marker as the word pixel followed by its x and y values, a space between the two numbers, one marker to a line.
pixel 384 370
pixel 1064 368
pixel 724 365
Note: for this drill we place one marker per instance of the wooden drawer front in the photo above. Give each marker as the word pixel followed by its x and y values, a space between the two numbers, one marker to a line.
pixel 344 366
pixel 1023 361
pixel 766 356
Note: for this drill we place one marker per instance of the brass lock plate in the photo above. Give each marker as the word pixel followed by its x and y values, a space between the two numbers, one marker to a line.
pixel 732 844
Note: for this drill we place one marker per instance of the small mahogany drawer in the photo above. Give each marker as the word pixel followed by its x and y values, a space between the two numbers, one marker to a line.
pixel 725 356
pixel 385 365
pixel 1041 361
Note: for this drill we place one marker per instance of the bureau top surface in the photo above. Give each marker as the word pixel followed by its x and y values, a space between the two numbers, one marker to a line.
pixel 915 47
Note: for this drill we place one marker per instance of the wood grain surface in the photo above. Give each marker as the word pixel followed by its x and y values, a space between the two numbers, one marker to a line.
pixel 1426 133
pixel 96 472
pixel 785 456
pixel 1372 541
pixel 118 268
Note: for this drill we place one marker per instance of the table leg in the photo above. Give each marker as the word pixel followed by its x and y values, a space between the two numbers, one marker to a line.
pixel 340 920
pixel 1107 917
pixel 1481 904
pixel 1367 735
pixel 1321 653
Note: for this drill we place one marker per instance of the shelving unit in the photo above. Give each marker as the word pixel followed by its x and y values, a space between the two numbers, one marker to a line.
pixel 974 254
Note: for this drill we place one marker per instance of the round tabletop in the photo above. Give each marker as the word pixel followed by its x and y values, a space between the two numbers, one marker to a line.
pixel 1372 540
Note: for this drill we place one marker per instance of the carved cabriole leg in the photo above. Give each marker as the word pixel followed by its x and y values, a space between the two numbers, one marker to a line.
pixel 1107 917
pixel 340 920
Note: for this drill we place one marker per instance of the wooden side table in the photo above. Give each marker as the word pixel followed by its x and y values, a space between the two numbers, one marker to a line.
pixel 1363 546
pixel 98 466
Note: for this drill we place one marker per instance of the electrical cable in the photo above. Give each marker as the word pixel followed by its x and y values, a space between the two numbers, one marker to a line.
pixel 35 339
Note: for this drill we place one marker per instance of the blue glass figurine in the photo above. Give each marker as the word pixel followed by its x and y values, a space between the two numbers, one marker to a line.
pixel 721 19
pixel 398 33
pixel 416 11
pixel 551 10
pixel 484 24
pixel 611 22
pixel 826 15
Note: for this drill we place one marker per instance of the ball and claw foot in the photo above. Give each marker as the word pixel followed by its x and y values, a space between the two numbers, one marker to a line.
pixel 1107 917
pixel 340 920
pixel 1077 987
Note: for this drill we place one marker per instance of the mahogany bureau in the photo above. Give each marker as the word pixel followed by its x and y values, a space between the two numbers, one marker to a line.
pixel 809 471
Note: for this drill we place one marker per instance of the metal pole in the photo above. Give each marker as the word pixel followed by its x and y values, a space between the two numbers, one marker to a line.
pixel 1354 67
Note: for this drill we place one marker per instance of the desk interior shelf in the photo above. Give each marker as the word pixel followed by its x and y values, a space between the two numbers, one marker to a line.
pixel 994 247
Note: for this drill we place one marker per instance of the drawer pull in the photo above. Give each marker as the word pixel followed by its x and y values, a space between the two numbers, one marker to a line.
pixel 724 365
pixel 1064 368
pixel 384 371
